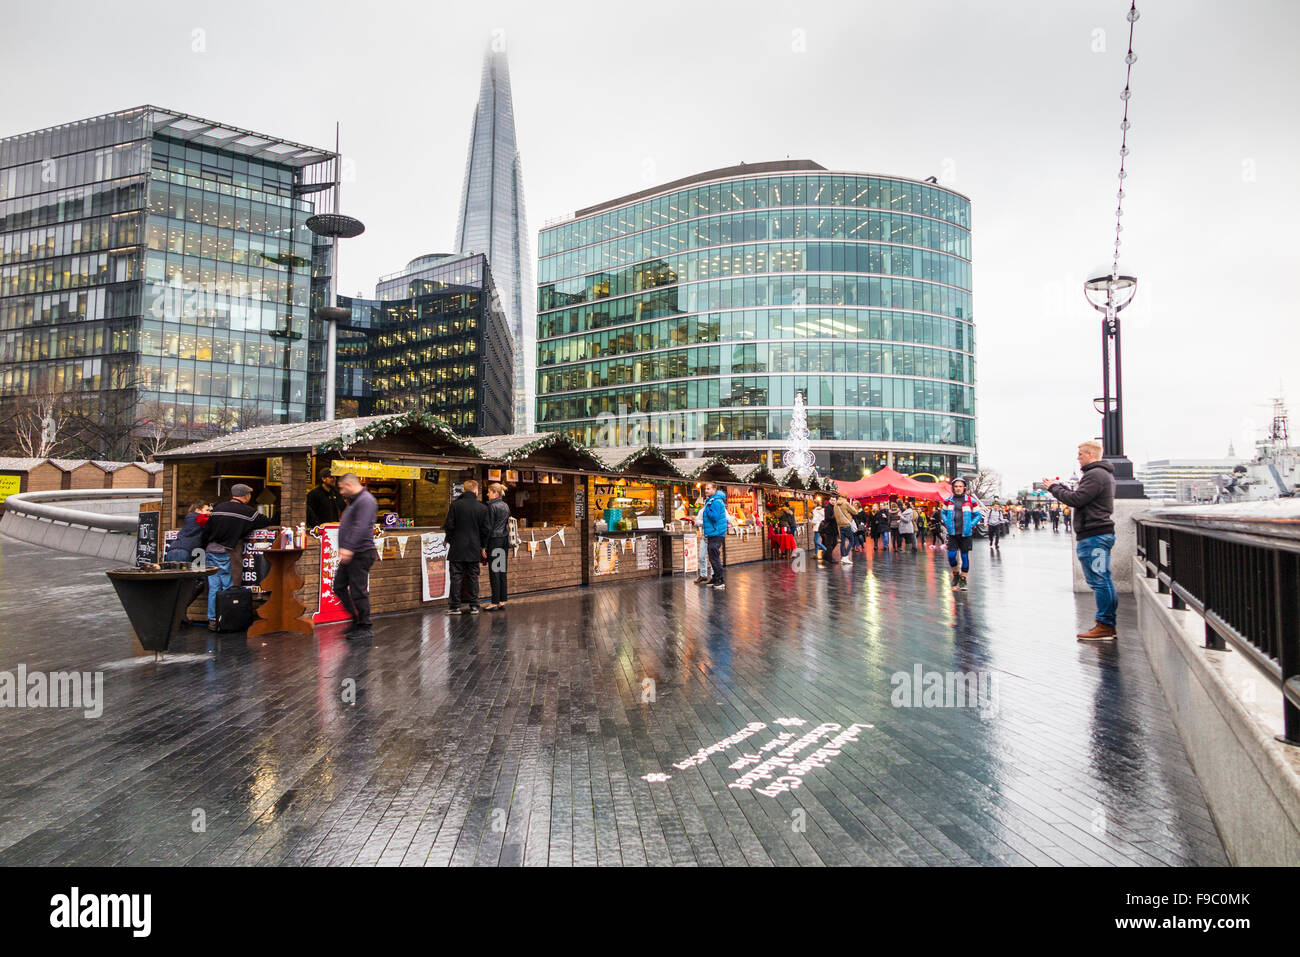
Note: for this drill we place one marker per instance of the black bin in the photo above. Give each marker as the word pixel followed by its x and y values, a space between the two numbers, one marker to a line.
pixel 155 601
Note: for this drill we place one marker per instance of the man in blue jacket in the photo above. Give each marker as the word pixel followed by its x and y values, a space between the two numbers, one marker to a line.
pixel 961 513
pixel 713 522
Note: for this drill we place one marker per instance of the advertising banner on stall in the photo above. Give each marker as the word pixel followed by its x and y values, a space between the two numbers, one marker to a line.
pixel 690 552
pixel 254 566
pixel 330 608
pixel 433 566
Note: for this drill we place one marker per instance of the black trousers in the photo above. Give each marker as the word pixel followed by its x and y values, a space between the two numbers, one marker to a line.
pixel 715 559
pixel 498 550
pixel 352 585
pixel 464 575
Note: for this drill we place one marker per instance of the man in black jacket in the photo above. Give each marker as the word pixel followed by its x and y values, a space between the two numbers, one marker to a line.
pixel 1093 500
pixel 498 543
pixel 324 503
pixel 223 541
pixel 357 551
pixel 467 528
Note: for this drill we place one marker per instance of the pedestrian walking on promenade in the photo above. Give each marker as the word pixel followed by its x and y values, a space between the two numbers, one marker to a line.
pixel 498 544
pixel 1094 528
pixel 1067 513
pixel 1056 519
pixel 921 527
pixel 223 537
pixel 861 518
pixel 713 520
pixel 937 531
pixel 828 531
pixel 961 513
pixel 907 525
pixel 467 526
pixel 895 517
pixel 844 521
pixel 356 551
pixel 818 516
pixel 997 518
pixel 702 574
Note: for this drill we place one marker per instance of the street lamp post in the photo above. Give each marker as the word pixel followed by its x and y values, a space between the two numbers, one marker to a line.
pixel 336 226
pixel 1109 294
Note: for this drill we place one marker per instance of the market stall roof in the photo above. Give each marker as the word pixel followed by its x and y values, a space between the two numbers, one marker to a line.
pixel 539 448
pixel 334 435
pixel 755 474
pixel 886 482
pixel 68 464
pixel 712 469
pixel 789 477
pixel 827 484
pixel 12 464
pixel 117 466
pixel 639 460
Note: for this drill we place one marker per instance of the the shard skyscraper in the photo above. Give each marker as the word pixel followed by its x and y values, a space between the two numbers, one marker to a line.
pixel 493 221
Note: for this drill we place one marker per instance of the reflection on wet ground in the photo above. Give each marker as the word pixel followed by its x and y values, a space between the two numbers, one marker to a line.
pixel 840 715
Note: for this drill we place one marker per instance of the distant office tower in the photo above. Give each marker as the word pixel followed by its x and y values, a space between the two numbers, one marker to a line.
pixel 157 272
pixel 434 338
pixel 492 221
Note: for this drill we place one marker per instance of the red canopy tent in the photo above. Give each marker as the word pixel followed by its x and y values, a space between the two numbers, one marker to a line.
pixel 886 482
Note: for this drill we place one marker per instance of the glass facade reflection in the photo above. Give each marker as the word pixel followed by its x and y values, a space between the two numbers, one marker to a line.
pixel 694 312
pixel 161 262
pixel 436 339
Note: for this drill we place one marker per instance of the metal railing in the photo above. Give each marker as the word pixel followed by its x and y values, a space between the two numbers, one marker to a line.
pixel 1240 572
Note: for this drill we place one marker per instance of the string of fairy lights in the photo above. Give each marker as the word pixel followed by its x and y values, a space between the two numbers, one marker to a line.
pixel 1129 59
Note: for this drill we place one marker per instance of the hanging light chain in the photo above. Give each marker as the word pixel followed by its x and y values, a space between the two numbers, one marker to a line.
pixel 1129 59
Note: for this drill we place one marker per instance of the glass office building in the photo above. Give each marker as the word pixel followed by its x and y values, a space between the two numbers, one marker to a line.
pixel 493 219
pixel 434 338
pixel 690 314
pixel 159 265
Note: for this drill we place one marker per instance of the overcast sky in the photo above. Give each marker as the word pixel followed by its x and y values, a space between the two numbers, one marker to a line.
pixel 1013 104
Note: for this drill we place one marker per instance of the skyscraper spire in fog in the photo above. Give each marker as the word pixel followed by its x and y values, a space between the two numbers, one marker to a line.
pixel 493 220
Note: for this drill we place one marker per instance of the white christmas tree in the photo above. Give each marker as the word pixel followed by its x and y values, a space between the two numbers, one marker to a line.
pixel 798 454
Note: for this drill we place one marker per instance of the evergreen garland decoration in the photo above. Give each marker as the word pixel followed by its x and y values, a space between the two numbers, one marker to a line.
pixel 395 423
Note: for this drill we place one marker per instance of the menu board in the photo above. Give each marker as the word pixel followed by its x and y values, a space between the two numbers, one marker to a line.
pixel 606 556
pixel 146 535
pixel 253 566
pixel 434 573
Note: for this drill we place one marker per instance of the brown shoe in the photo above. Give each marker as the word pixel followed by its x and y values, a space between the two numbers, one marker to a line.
pixel 1099 632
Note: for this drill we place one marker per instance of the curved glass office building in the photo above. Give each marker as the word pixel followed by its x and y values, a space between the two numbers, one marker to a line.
pixel 691 313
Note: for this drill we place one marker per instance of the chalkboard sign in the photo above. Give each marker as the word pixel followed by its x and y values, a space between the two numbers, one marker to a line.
pixel 147 538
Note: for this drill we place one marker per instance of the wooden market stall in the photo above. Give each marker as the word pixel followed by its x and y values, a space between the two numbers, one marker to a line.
pixel 546 476
pixel 410 462
pixel 646 487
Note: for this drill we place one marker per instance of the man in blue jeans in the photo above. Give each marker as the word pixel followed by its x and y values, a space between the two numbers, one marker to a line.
pixel 223 540
pixel 1093 501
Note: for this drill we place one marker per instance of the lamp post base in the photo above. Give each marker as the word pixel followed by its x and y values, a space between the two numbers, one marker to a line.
pixel 1126 486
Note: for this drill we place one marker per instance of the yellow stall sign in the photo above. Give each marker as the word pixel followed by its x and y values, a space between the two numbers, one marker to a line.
pixel 10 485
pixel 375 470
